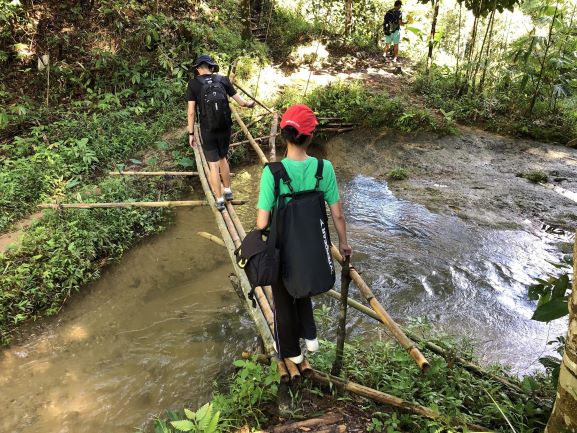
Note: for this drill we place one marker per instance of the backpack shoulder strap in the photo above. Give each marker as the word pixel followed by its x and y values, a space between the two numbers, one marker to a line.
pixel 279 172
pixel 319 173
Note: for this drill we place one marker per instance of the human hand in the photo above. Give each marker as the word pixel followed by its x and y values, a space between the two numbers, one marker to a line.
pixel 250 104
pixel 191 141
pixel 345 250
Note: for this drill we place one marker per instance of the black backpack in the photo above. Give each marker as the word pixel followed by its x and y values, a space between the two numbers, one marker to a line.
pixel 303 238
pixel 214 108
pixel 390 23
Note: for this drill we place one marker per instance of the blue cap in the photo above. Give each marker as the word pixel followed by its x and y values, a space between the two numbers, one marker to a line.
pixel 205 58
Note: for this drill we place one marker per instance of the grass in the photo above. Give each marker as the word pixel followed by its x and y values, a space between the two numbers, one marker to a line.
pixel 383 365
pixel 398 173
pixel 536 176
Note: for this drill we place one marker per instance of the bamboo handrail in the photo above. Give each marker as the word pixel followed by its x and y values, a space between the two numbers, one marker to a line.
pixel 384 316
pixel 467 365
pixel 130 204
pixel 156 173
pixel 264 137
pixel 254 144
pixel 153 173
pixel 272 138
pixel 251 97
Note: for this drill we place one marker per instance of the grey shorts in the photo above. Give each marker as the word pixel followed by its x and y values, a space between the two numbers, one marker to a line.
pixel 215 144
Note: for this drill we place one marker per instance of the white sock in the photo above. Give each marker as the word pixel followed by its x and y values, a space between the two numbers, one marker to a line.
pixel 220 199
pixel 227 190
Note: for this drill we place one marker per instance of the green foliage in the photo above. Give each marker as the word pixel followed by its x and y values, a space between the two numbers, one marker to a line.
pixel 535 176
pixel 288 29
pixel 64 250
pixel 449 389
pixel 398 173
pixel 552 293
pixel 253 387
pixel 353 102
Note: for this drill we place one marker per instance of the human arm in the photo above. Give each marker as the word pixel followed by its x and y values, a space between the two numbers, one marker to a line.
pixel 190 114
pixel 242 102
pixel 341 227
pixel 262 217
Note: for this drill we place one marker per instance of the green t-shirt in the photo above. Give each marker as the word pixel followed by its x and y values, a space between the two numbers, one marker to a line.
pixel 302 174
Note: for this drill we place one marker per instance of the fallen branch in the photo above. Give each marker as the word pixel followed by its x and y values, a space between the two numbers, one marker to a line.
pixel 155 173
pixel 387 399
pixel 329 418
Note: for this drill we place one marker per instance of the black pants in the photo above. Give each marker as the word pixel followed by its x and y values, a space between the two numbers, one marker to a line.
pixel 293 319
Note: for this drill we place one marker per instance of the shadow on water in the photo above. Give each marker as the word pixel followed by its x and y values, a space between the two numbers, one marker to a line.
pixel 467 280
pixel 151 334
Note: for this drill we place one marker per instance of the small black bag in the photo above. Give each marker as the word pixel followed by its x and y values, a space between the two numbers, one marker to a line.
pixel 259 258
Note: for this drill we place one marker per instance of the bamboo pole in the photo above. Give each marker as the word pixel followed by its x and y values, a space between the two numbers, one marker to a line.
pixel 305 368
pixel 384 316
pixel 272 137
pixel 251 97
pixel 130 204
pixel 227 236
pixel 264 137
pixel 387 399
pixel 342 327
pixel 253 143
pixel 153 173
pixel 293 370
pixel 212 238
pixel 156 173
pixel 467 365
pixel 283 371
pixel 251 124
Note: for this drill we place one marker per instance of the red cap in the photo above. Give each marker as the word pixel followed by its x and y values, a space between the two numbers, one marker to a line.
pixel 301 118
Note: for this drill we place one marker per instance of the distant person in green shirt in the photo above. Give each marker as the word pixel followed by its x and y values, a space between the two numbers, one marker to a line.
pixel 294 317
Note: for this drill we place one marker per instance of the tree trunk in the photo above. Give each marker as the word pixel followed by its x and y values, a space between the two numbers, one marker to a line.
pixel 458 46
pixel 487 52
pixel 435 5
pixel 542 71
pixel 564 415
pixel 348 17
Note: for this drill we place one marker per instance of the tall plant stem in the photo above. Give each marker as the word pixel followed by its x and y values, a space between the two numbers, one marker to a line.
pixel 458 45
pixel 435 4
pixel 543 61
pixel 487 51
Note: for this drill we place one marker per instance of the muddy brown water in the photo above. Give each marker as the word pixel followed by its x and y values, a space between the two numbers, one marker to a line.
pixel 160 327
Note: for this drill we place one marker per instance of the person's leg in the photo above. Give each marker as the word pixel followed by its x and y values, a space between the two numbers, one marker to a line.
pixel 307 325
pixel 395 52
pixel 387 47
pixel 215 178
pixel 225 172
pixel 286 323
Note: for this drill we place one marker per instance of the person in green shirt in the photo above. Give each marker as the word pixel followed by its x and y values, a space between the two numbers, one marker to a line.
pixel 294 317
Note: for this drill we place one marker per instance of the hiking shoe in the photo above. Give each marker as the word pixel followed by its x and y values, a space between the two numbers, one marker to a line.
pixel 228 196
pixel 297 359
pixel 312 345
pixel 220 205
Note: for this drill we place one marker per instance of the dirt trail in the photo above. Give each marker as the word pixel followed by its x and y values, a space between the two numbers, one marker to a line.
pixel 13 237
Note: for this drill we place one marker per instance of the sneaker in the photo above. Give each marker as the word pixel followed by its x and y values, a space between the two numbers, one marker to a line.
pixel 228 195
pixel 220 205
pixel 312 345
pixel 297 359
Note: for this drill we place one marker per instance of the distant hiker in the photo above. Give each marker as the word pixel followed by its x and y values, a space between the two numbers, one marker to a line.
pixel 392 29
pixel 208 94
pixel 295 190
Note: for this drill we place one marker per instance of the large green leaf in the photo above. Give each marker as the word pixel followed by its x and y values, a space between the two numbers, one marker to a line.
pixel 184 425
pixel 554 309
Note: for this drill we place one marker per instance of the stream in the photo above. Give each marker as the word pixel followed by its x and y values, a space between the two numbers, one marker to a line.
pixel 160 327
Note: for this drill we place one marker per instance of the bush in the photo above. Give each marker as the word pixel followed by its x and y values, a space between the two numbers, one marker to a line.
pixel 398 173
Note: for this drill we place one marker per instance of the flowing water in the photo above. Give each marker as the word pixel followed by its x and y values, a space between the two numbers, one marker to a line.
pixel 160 327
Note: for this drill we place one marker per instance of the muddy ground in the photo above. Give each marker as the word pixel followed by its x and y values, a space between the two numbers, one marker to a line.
pixel 473 175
